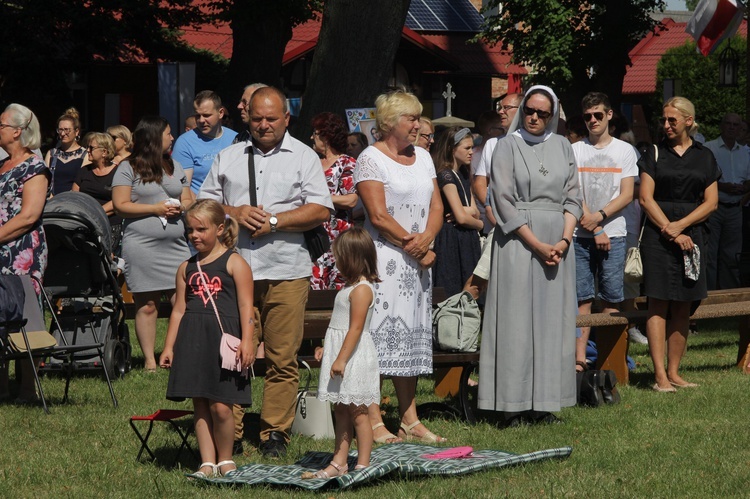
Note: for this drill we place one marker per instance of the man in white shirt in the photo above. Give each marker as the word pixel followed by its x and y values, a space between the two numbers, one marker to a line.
pixel 507 108
pixel 606 173
pixel 725 224
pixel 292 197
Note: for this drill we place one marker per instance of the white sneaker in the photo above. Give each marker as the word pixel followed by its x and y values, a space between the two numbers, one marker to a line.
pixel 635 336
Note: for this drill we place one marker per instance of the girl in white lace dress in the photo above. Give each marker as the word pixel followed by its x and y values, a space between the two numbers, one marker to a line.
pixel 349 374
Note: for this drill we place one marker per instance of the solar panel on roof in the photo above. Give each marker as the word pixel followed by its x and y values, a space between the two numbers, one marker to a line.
pixel 443 15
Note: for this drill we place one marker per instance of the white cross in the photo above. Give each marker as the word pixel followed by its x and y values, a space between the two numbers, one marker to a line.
pixel 449 95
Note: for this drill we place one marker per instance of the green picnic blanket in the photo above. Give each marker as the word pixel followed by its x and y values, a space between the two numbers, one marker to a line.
pixel 402 458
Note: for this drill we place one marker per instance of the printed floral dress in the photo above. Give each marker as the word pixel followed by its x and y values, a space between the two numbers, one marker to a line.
pixel 340 179
pixel 28 253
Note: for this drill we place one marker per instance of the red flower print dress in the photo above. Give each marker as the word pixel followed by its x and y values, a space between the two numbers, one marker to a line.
pixel 27 254
pixel 340 178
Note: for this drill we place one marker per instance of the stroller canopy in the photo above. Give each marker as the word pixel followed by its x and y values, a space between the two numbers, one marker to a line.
pixel 75 211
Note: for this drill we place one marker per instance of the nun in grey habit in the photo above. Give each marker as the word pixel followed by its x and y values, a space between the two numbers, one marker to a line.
pixel 527 358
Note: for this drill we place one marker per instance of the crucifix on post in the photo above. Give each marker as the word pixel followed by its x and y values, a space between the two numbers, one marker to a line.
pixel 449 96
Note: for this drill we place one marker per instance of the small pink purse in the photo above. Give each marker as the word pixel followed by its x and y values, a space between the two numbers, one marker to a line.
pixel 229 344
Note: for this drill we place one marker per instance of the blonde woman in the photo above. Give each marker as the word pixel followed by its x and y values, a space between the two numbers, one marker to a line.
pixel 679 191
pixel 95 179
pixel 396 182
pixel 426 136
pixel 123 141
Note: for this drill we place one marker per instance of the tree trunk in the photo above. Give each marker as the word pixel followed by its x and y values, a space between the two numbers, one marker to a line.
pixel 259 37
pixel 353 59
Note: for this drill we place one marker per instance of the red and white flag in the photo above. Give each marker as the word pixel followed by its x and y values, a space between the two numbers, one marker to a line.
pixel 714 21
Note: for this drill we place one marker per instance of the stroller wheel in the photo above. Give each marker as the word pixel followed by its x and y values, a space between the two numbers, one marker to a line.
pixel 114 359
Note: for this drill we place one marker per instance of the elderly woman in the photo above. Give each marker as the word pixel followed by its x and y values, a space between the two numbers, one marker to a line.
pixel 397 184
pixel 679 191
pixel 329 141
pixel 426 136
pixel 528 339
pixel 150 191
pixel 95 179
pixel 24 188
pixel 67 158
pixel 123 142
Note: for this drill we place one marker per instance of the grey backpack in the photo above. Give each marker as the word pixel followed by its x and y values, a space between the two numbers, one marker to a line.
pixel 456 324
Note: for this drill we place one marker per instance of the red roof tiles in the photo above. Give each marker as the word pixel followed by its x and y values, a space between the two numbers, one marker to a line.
pixel 640 77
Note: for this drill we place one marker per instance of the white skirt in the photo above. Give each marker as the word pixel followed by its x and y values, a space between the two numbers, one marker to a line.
pixel 360 384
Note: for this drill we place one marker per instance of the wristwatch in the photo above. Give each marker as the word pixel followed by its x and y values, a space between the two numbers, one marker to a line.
pixel 603 214
pixel 272 222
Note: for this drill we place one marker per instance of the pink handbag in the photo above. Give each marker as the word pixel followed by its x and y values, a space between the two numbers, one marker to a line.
pixel 229 343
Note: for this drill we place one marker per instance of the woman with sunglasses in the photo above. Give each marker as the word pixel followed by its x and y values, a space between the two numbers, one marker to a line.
pixel 95 179
pixel 679 191
pixel 123 142
pixel 67 157
pixel 528 338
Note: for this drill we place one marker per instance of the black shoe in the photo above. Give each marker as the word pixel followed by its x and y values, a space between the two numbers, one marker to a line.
pixel 275 446
pixel 546 418
pixel 237 448
pixel 515 419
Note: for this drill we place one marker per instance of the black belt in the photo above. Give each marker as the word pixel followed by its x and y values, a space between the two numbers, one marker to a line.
pixel 729 205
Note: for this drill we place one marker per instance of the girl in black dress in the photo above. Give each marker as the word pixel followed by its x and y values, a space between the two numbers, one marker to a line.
pixel 224 281
pixel 678 193
pixel 457 247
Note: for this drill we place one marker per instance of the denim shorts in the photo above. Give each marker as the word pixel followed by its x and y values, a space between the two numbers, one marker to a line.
pixel 607 266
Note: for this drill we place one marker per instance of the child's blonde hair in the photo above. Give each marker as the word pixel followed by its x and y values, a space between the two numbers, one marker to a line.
pixel 356 256
pixel 214 213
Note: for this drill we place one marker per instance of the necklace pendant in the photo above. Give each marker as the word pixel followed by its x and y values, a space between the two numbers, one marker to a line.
pixel 543 171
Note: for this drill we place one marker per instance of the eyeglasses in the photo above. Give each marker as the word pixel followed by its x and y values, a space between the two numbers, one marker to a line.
pixel 672 121
pixel 542 115
pixel 92 149
pixel 506 108
pixel 64 131
pixel 3 126
pixel 598 115
pixel 427 136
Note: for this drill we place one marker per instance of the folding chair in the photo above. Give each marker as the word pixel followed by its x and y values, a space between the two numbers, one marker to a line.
pixel 29 339
pixel 166 415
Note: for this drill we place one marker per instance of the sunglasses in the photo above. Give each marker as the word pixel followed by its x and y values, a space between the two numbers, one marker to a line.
pixel 671 121
pixel 92 149
pixel 598 115
pixel 542 115
pixel 427 136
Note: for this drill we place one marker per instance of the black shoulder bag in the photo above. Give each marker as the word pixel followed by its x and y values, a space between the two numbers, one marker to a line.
pixel 316 238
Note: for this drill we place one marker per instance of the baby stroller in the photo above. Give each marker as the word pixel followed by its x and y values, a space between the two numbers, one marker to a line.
pixel 81 278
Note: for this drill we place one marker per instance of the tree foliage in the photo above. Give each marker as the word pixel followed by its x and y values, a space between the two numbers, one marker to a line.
pixel 573 46
pixel 691 4
pixel 698 79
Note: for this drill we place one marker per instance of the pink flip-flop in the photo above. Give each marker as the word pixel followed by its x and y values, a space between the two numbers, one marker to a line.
pixel 452 453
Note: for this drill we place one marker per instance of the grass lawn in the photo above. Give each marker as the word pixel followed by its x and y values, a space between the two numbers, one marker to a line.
pixel 689 444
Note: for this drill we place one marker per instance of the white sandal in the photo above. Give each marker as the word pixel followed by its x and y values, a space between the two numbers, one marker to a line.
pixel 225 463
pixel 200 474
pixel 340 470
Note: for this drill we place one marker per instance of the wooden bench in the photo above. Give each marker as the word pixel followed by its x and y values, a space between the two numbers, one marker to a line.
pixel 611 328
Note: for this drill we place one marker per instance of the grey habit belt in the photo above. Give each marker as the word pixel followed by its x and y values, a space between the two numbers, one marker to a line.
pixel 540 206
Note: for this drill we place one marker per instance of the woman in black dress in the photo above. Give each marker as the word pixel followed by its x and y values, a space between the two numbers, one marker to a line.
pixel 457 247
pixel 68 156
pixel 95 179
pixel 678 193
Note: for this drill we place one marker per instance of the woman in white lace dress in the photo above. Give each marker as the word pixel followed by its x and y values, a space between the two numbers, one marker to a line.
pixel 397 184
